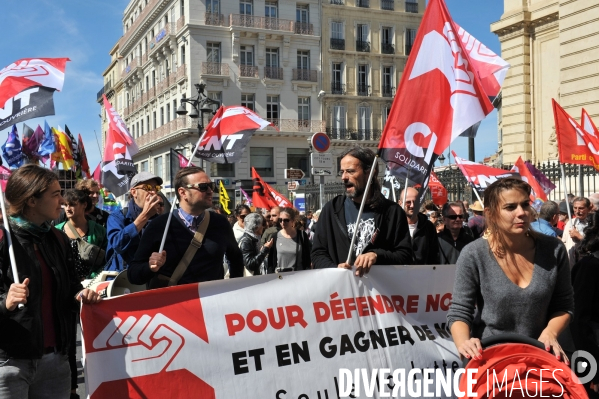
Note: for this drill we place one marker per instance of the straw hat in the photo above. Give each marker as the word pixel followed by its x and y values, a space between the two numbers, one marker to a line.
pixel 477 206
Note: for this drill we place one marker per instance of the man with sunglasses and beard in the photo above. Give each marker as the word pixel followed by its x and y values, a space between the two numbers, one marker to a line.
pixel 194 191
pixel 124 229
pixel 383 237
pixel 454 237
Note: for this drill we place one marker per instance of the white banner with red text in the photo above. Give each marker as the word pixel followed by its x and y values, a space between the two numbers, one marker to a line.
pixel 275 336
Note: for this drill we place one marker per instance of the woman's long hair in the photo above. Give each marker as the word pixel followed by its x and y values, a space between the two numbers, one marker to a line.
pixel 492 211
pixel 26 182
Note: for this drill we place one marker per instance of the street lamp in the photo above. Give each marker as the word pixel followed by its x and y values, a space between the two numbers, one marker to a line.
pixel 200 106
pixel 441 159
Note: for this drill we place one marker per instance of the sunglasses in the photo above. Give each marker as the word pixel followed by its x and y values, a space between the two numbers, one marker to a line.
pixel 149 187
pixel 454 217
pixel 203 187
pixel 284 220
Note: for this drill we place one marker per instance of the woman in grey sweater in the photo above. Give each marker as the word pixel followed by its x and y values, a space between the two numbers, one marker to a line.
pixel 518 280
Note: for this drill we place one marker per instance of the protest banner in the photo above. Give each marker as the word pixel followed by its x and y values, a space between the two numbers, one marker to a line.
pixel 275 336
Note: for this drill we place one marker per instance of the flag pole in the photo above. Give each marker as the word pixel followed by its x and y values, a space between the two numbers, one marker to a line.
pixel 170 215
pixel 11 252
pixel 353 239
pixel 566 193
pixel 479 199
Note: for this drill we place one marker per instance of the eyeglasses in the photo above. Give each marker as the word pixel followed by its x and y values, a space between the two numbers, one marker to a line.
pixel 149 187
pixel 454 217
pixel 284 220
pixel 203 187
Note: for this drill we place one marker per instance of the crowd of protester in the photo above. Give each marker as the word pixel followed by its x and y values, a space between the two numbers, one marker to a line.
pixel 543 253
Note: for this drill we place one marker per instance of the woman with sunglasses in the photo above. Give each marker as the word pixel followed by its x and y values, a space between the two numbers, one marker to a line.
pixel 241 211
pixel 291 247
pixel 454 237
pixel 512 280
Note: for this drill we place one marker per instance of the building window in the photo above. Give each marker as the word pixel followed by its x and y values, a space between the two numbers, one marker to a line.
pixel 158 169
pixel 387 41
pixel 213 6
pixel 167 167
pixel 247 100
pixel 245 7
pixel 174 109
pixel 388 89
pixel 247 55
pixel 217 96
pixel 182 55
pixel 412 6
pixel 141 124
pixel 363 86
pixel 261 158
pixel 386 110
pixel 213 52
pixel 271 9
pixel 297 158
pixel 182 7
pixel 161 116
pixel 338 122
pixel 147 83
pixel 337 85
pixel 362 38
pixel 154 78
pixel 337 37
pixel 364 127
pixel 137 129
pixel 272 109
pixel 303 111
pixel 148 122
pixel 303 59
pixel 144 166
pixel 154 119
pixel 222 169
pixel 302 13
pixel 168 113
pixel 410 38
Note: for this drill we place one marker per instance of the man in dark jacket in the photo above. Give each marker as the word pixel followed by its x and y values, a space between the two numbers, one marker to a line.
pixel 383 236
pixel 454 237
pixel 422 231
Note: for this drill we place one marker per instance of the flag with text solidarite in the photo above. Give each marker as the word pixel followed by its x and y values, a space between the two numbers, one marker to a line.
pixel 117 164
pixel 228 133
pixel 27 87
pixel 264 196
pixel 439 97
pixel 11 149
pixel 481 176
pixel 223 197
pixel 537 191
pixel 575 145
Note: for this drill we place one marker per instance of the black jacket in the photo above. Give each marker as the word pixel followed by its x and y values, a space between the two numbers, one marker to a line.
pixel 304 263
pixel 425 243
pixel 392 244
pixel 21 331
pixel 449 250
pixel 252 257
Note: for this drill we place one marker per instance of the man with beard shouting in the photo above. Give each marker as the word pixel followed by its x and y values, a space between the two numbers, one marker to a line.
pixel 383 236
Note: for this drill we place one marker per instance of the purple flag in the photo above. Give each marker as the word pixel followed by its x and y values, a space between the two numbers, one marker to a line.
pixel 247 198
pixel 31 142
pixel 545 183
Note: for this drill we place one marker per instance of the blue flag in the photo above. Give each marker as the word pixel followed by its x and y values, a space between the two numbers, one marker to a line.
pixel 47 147
pixel 11 150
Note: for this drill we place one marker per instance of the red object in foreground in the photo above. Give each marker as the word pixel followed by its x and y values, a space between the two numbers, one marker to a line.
pixel 517 368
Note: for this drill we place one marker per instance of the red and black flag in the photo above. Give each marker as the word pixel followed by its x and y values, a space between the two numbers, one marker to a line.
pixel 264 196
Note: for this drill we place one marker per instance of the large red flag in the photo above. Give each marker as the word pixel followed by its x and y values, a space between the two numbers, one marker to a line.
pixel 439 97
pixel 264 196
pixel 573 143
pixel 481 176
pixel 537 191
pixel 438 191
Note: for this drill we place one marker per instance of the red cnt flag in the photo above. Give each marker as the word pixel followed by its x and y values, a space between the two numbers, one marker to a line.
pixel 439 97
pixel 575 145
pixel 481 176
pixel 526 175
pixel 438 191
pixel 264 196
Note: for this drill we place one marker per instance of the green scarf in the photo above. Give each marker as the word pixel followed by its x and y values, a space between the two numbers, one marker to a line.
pixel 32 228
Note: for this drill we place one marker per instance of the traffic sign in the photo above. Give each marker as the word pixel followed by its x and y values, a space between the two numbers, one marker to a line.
pixel 322 163
pixel 294 174
pixel 320 142
pixel 292 185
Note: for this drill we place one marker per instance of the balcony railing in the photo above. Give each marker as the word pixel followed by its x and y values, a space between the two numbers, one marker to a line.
pixel 214 19
pixel 181 72
pixel 336 133
pixel 182 122
pixel 295 125
pixel 134 28
pixel 254 21
pixel 387 48
pixel 304 28
pixel 411 7
pixel 363 89
pixel 307 75
pixel 363 46
pixel 180 22
pixel 388 5
pixel 248 71
pixel 273 73
pixel 408 49
pixel 337 44
pixel 338 88
pixel 215 68
pixel 132 65
pixel 363 3
pixel 388 91
pixel 338 2
pixel 100 93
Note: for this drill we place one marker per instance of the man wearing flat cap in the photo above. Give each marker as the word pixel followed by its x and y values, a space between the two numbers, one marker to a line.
pixel 124 229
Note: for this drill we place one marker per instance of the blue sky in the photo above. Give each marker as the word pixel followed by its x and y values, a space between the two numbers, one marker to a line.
pixel 85 31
